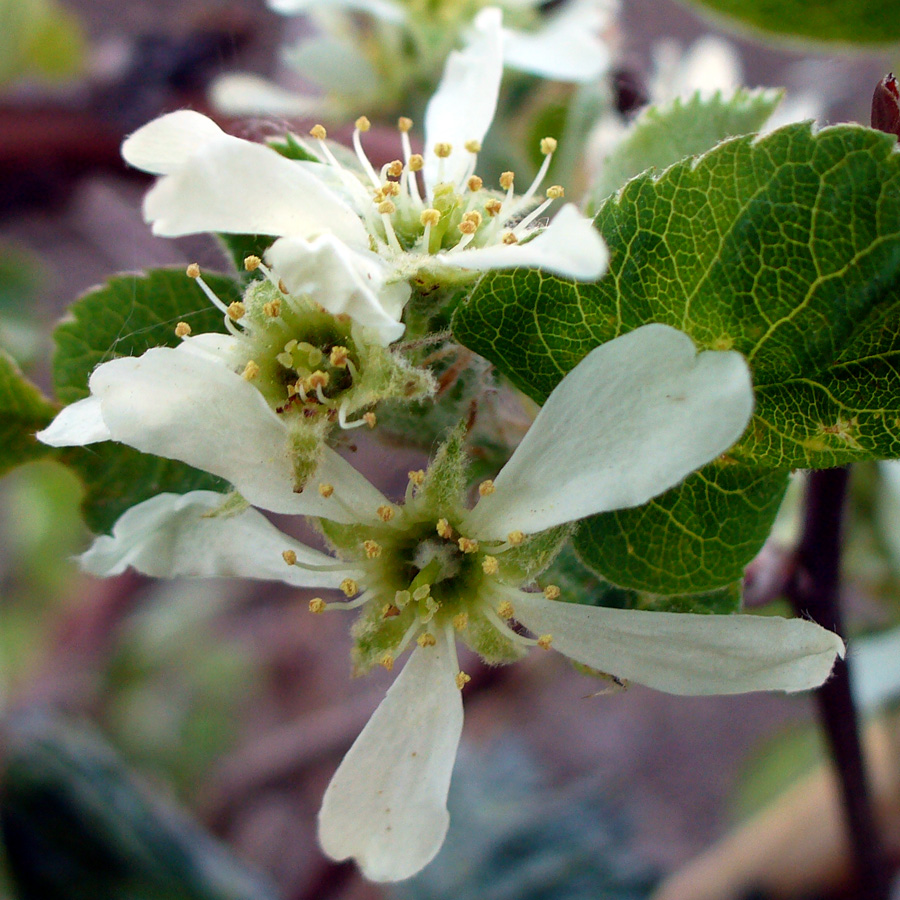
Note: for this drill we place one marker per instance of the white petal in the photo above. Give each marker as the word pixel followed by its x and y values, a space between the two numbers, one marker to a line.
pixel 381 9
pixel 239 187
pixel 569 246
pixel 344 281
pixel 185 406
pixel 632 419
pixel 220 348
pixel 568 47
pixel 687 654
pixel 464 104
pixel 75 425
pixel 174 535
pixel 241 94
pixel 166 143
pixel 387 804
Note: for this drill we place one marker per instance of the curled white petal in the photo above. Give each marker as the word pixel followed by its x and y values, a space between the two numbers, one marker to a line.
pixel 75 425
pixel 242 94
pixel 386 806
pixel 343 281
pixel 569 246
pixel 381 9
pixel 632 419
pixel 166 143
pixel 569 46
pixel 463 106
pixel 239 187
pixel 173 535
pixel 682 653
pixel 189 407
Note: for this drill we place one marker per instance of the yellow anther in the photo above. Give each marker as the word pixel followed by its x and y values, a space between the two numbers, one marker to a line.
pixel 430 217
pixel 462 679
pixel 473 146
pixel 402 598
pixel 236 310
pixel 467 227
pixel 370 419
pixel 556 192
pixel 404 124
pixel 251 370
pixel 416 162
pixel 349 587
pixel 318 379
pixel 474 183
pixel 395 168
pixel 474 217
pixel 273 308
pixel 442 149
pixel 509 238
pixel 461 621
pixel 486 487
pixel 548 145
pixel 338 356
pixel 493 207
pixel 507 180
pixel 544 641
pixel 251 263
pixel 291 345
pixel 489 565
pixel 286 360
pixel 182 329
pixel 193 271
pixel 362 124
pixel 444 529
pixel 552 592
pixel 389 611
pixel 289 557
pixel 417 477
pixel 387 661
pixel 318 132
pixel 326 489
pixel 372 548
pixel 317 605
pixel 467 545
pixel 515 538
pixel 385 513
pixel 426 640
pixel 505 610
pixel 421 592
pixel 386 208
pixel 282 287
pixel 390 189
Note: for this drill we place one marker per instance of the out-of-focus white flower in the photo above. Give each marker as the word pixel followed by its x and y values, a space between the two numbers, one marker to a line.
pixel 632 419
pixel 396 232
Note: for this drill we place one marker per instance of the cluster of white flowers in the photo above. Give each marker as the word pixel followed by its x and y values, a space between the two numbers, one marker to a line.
pixel 309 347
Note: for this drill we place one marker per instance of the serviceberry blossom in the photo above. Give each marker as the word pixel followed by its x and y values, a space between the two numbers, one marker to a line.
pixel 376 54
pixel 396 232
pixel 632 419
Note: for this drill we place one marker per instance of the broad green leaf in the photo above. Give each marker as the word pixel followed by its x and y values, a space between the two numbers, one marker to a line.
pixel 23 411
pixel 834 21
pixel 785 248
pixel 664 135
pixel 695 538
pixel 125 317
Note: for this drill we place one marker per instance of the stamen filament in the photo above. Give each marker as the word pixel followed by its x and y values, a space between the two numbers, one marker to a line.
pixel 342 419
pixel 364 160
pixel 522 226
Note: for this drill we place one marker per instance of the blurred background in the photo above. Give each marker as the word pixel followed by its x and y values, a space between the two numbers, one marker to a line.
pixel 140 720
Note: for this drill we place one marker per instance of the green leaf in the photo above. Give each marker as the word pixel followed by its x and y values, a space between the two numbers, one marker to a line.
pixel 126 317
pixel 837 21
pixel 238 247
pixel 785 248
pixel 664 135
pixel 38 37
pixel 689 540
pixel 23 411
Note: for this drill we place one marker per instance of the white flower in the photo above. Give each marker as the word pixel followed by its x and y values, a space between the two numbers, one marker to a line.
pixel 631 420
pixel 214 182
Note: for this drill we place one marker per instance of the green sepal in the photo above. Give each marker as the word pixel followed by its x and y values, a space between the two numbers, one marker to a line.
pixel 446 479
pixel 23 411
pixel 127 316
pixel 664 135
